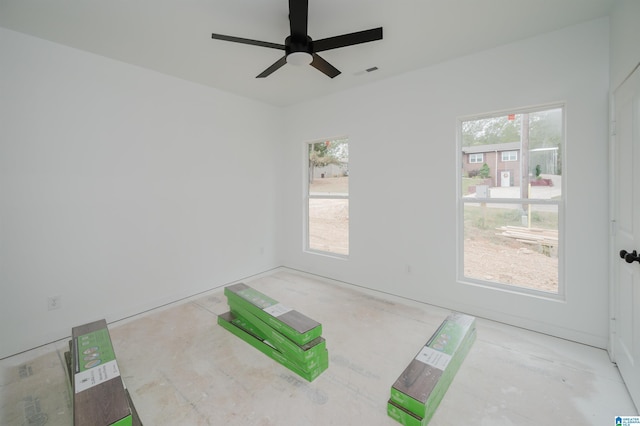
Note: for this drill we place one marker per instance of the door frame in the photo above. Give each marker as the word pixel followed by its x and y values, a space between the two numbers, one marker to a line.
pixel 613 185
pixel 615 325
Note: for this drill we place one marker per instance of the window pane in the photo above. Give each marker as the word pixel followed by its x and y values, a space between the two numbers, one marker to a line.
pixel 510 156
pixel 329 225
pixel 518 150
pixel 328 196
pixel 329 167
pixel 475 158
pixel 512 244
pixel 511 200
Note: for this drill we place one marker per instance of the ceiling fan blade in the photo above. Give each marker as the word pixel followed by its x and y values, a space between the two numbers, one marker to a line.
pixel 247 41
pixel 279 63
pixel 298 17
pixel 347 39
pixel 324 66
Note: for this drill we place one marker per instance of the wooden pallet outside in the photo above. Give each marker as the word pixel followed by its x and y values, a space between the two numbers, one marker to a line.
pixel 547 239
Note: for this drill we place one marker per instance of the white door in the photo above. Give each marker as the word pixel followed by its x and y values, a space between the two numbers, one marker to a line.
pixel 626 236
pixel 505 179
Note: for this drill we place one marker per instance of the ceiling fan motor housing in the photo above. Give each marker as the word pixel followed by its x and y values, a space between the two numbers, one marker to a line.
pixel 298 44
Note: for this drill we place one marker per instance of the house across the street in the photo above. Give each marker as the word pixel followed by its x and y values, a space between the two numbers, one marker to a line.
pixel 503 160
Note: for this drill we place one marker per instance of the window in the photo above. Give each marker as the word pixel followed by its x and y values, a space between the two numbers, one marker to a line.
pixel 510 221
pixel 509 155
pixel 328 197
pixel 476 158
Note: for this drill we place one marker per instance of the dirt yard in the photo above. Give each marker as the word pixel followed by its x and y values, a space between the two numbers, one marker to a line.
pixel 511 263
pixel 504 260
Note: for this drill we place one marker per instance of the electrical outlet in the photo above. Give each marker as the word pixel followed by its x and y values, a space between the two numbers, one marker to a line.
pixel 53 302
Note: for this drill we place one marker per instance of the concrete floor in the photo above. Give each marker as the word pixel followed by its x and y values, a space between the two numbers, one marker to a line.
pixel 181 368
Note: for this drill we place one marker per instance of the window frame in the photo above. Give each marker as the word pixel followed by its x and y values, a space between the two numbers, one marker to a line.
pixel 509 159
pixel 328 196
pixel 474 155
pixel 560 203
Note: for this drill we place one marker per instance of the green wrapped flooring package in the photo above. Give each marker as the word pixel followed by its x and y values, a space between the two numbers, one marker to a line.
pixel 283 334
pixel 100 397
pixel 422 385
pixel 299 354
pixel 309 370
pixel 289 322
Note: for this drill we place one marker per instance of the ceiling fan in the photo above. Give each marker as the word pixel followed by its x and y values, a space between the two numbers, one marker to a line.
pixel 299 48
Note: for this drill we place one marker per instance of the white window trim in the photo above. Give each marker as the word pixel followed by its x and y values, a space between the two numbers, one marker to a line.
pixel 560 296
pixel 309 196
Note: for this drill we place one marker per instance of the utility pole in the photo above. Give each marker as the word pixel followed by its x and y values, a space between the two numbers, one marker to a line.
pixel 524 164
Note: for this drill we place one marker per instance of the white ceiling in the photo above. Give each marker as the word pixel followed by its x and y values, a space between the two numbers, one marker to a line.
pixel 174 36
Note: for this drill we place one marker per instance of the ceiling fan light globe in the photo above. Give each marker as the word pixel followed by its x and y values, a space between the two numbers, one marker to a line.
pixel 299 58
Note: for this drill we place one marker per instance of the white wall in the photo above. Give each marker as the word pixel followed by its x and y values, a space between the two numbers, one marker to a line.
pixel 625 38
pixel 403 166
pixel 122 189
